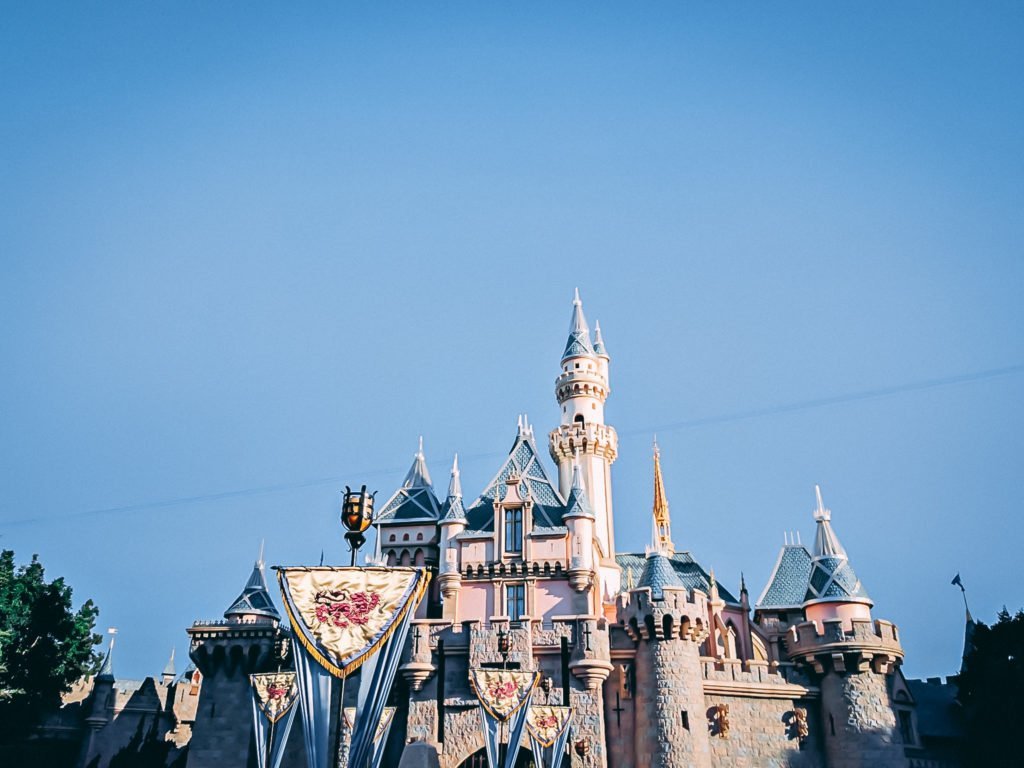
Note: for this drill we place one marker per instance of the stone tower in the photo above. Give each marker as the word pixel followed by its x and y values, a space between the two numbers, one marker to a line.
pixel 226 653
pixel 852 657
pixel 583 438
pixel 668 623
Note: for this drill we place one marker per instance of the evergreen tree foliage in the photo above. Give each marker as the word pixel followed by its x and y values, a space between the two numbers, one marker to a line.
pixel 990 690
pixel 45 645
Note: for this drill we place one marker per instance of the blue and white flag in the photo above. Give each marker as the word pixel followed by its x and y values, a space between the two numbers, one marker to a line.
pixel 504 701
pixel 273 710
pixel 548 728
pixel 380 736
pixel 344 619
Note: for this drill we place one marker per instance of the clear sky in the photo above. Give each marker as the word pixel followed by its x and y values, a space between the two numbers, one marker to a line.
pixel 251 251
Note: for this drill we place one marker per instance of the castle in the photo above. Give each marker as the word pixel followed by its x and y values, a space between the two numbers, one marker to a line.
pixel 663 666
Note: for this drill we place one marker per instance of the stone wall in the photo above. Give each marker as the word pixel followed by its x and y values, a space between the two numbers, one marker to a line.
pixel 858 721
pixel 761 733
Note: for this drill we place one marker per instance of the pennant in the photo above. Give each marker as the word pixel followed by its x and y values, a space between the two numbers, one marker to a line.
pixel 273 699
pixel 548 728
pixel 504 701
pixel 344 619
pixel 380 736
pixel 502 692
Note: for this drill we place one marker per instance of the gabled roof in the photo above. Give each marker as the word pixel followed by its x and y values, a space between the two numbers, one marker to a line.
pixel 415 500
pixel 255 598
pixel 787 584
pixel 689 571
pixel 524 462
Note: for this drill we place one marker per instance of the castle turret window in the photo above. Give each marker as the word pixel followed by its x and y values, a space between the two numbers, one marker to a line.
pixel 514 529
pixel 515 601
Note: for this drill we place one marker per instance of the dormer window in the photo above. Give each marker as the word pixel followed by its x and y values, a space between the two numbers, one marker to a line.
pixel 514 529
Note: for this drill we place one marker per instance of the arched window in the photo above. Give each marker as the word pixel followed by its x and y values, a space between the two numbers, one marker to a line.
pixel 419 536
pixel 578 419
pixel 405 537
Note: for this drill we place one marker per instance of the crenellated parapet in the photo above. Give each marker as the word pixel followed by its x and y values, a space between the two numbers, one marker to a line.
pixel 229 647
pixel 873 645
pixel 681 613
pixel 589 438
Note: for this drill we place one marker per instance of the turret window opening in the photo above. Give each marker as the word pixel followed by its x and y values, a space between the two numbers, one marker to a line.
pixel 578 419
pixel 515 601
pixel 514 529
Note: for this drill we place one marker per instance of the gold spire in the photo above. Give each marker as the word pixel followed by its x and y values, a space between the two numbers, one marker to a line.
pixel 662 525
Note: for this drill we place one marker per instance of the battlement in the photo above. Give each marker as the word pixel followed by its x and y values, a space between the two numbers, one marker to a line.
pixel 569 439
pixel 866 645
pixel 680 613
pixel 577 382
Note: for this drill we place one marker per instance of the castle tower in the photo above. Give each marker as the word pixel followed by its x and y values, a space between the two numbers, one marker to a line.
pixel 226 653
pixel 581 390
pixel 453 522
pixel 668 622
pixel 852 657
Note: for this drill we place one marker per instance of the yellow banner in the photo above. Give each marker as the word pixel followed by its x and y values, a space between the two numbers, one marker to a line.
pixel 342 615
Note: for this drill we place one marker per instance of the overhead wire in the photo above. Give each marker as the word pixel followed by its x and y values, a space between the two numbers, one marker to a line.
pixel 704 421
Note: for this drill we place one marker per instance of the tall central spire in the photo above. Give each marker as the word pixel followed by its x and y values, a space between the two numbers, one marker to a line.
pixel 662 538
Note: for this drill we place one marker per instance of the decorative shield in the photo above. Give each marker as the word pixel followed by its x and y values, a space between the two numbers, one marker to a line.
pixel 275 693
pixel 343 615
pixel 502 692
pixel 545 724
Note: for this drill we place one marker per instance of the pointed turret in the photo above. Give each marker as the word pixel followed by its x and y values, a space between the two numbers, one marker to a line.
pixel 599 348
pixel 169 673
pixel 454 511
pixel 578 344
pixel 107 667
pixel 577 505
pixel 254 603
pixel 662 534
pixel 832 578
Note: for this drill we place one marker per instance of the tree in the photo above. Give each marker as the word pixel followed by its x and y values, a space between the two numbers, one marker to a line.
pixel 990 691
pixel 45 645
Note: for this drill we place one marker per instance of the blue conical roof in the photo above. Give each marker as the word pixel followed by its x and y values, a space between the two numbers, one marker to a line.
pixel 599 348
pixel 255 598
pixel 107 667
pixel 658 573
pixel 832 578
pixel 453 509
pixel 577 504
pixel 578 344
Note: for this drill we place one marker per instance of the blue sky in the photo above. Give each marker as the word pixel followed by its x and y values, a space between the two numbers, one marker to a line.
pixel 249 254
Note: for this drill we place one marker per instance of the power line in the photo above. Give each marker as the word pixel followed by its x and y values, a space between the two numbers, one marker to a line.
pixel 725 418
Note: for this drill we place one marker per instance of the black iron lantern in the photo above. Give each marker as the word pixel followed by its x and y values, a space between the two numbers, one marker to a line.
pixel 356 516
pixel 504 645
pixel 582 747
